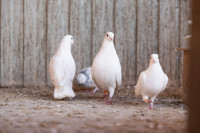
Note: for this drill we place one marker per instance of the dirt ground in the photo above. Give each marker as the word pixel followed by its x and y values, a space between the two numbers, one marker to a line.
pixel 33 110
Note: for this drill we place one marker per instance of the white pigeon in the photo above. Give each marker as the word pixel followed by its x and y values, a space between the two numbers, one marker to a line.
pixel 151 81
pixel 106 68
pixel 84 79
pixel 62 69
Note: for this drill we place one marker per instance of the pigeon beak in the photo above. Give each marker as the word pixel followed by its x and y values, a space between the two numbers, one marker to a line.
pixel 154 61
pixel 110 38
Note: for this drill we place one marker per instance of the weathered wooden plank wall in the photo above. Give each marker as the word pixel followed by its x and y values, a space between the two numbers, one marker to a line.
pixel 35 43
pixel 185 15
pixel 147 32
pixel 11 43
pixel 169 37
pixel 32 30
pixel 125 37
pixel 102 22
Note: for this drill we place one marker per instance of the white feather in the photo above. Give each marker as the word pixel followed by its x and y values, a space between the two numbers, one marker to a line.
pixel 62 69
pixel 152 81
pixel 139 85
pixel 106 68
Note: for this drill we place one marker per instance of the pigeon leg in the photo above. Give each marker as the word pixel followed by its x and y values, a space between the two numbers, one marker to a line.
pixel 145 98
pixel 150 104
pixel 105 95
pixel 109 101
pixel 111 90
pixel 94 91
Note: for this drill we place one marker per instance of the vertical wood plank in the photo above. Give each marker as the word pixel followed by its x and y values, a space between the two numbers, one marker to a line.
pixel 80 28
pixel 88 21
pixel 11 43
pixel 125 38
pixel 194 93
pixel 35 43
pixel 147 32
pixel 0 45
pixel 58 21
pixel 102 22
pixel 169 38
pixel 185 15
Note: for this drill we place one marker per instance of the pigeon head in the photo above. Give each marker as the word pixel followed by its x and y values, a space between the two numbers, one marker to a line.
pixel 154 58
pixel 81 79
pixel 66 43
pixel 69 38
pixel 109 36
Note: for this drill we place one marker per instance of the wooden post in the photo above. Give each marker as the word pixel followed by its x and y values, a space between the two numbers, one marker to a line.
pixel 186 72
pixel 194 93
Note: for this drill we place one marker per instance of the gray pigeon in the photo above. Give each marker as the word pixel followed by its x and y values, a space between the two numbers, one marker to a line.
pixel 84 79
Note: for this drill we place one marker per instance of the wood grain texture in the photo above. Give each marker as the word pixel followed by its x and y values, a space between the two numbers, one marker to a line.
pixel 185 15
pixel 194 93
pixel 147 32
pixel 11 43
pixel 58 22
pixel 35 43
pixel 169 39
pixel 125 38
pixel 31 31
pixel 102 22
pixel 0 47
pixel 80 28
pixel 185 29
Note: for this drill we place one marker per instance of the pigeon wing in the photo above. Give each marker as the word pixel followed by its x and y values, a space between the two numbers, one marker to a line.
pixel 165 82
pixel 140 83
pixel 93 78
pixel 57 77
pixel 118 76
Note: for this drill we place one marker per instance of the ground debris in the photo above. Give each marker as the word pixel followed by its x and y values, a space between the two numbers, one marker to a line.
pixel 32 109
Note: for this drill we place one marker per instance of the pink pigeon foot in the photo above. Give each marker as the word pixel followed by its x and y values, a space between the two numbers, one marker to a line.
pixel 151 105
pixel 105 97
pixel 109 101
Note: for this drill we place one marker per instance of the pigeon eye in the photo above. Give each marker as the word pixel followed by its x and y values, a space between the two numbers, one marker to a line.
pixel 72 38
pixel 107 35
